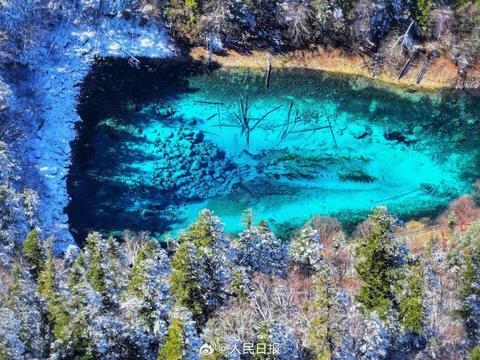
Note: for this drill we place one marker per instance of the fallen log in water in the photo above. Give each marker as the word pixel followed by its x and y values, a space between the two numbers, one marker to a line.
pixel 207 102
pixel 269 70
pixel 311 129
pixel 396 196
pixel 427 188
pixel 329 125
pixel 286 128
pixel 212 116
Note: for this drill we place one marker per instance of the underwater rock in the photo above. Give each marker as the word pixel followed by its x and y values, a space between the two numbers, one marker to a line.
pixel 199 137
pixel 179 174
pixel 359 131
pixel 188 134
pixel 399 137
pixel 194 163
pixel 163 111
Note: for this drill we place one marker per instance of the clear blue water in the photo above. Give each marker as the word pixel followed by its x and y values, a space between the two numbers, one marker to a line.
pixel 161 143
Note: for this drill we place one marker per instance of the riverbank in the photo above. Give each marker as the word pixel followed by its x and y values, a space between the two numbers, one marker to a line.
pixel 442 74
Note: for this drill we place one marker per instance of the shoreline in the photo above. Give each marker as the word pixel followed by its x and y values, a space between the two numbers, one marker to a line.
pixel 45 150
pixel 442 74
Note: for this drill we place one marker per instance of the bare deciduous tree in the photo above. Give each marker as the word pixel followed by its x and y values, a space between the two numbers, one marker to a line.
pixel 404 40
pixel 133 243
pixel 298 18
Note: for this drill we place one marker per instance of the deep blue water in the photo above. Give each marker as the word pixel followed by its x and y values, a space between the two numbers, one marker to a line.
pixel 160 143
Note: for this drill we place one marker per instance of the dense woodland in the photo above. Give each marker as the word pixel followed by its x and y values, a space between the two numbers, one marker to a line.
pixel 381 29
pixel 385 31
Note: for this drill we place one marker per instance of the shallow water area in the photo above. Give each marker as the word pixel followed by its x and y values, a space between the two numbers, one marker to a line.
pixel 161 142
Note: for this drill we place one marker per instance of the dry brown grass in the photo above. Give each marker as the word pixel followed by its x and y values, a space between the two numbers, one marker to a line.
pixel 443 72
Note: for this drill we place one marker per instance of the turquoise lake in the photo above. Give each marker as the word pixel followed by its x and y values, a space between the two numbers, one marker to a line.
pixel 159 143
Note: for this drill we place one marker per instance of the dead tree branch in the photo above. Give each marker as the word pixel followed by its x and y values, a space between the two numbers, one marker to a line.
pixel 402 40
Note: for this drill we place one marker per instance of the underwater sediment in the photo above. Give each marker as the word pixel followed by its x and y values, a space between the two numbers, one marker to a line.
pixel 161 142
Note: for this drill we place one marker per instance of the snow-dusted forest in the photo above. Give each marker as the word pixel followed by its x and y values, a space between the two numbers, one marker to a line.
pixel 390 291
pixel 387 290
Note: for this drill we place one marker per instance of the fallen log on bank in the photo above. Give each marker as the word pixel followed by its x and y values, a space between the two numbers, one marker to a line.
pixel 430 57
pixel 406 67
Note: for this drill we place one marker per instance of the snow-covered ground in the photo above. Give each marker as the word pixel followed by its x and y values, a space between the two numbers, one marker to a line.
pixel 57 69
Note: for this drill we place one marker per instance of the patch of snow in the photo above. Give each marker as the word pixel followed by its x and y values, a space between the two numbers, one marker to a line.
pixel 58 69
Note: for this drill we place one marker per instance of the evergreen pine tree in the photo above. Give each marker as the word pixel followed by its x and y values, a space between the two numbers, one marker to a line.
pixel 70 255
pixel 137 274
pixel 475 353
pixel 379 257
pixel 183 14
pixel 33 253
pixel 47 289
pixel 205 232
pixel 263 226
pixel 325 332
pixel 421 10
pixel 77 341
pixel 410 297
pixel 375 343
pixel 201 267
pixel 257 249
pixel 174 344
pixel 186 282
pixel 96 272
pixel 46 278
pixel 77 271
pixel 148 291
pixel 274 341
pixel 116 261
pixel 248 217
pixel 91 332
pixel 241 285
pixel 305 251
pixel 3 352
pixel 263 343
pixel 182 341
